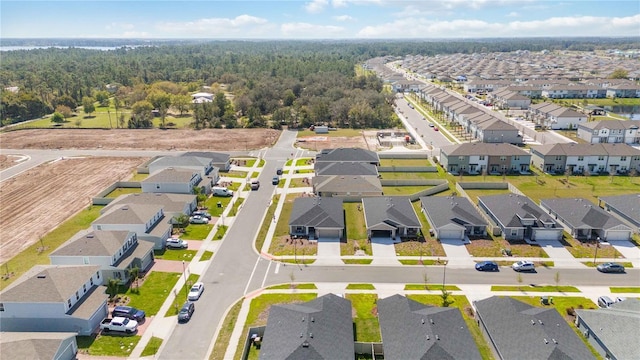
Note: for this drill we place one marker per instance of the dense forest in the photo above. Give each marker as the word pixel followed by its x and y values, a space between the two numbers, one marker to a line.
pixel 272 82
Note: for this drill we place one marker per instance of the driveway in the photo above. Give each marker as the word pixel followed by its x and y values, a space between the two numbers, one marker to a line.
pixel 560 256
pixel 457 253
pixel 328 252
pixel 384 253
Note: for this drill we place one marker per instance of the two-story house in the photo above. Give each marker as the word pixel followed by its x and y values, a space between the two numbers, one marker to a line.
pixel 203 165
pixel 177 181
pixel 476 158
pixel 147 221
pixel 585 158
pixel 610 131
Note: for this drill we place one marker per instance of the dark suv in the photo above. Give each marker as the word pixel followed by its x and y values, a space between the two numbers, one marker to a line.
pixel 129 312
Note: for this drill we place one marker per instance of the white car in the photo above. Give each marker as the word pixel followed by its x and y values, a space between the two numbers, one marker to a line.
pixel 523 265
pixel 173 243
pixel 196 291
pixel 197 219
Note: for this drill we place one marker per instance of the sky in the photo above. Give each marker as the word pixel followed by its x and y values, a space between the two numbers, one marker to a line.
pixel 318 19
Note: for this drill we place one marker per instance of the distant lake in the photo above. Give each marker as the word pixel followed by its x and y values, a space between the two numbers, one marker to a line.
pixel 630 111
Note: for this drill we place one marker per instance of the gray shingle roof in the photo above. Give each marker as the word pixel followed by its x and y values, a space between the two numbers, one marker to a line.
pixel 319 212
pixel 181 161
pixel 49 284
pixel 345 168
pixel 573 149
pixel 128 214
pixel 169 202
pixel 391 210
pixel 319 329
pixel 411 330
pixel 32 345
pixel 510 208
pixel 612 124
pixel 218 158
pixel 477 148
pixel 353 184
pixel 348 154
pixel 95 243
pixel 170 175
pixel 581 213
pixel 451 210
pixel 625 204
pixel 519 330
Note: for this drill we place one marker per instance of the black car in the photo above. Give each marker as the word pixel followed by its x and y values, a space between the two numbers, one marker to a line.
pixel 129 313
pixel 487 266
pixel 610 268
pixel 275 180
pixel 279 171
pixel 186 312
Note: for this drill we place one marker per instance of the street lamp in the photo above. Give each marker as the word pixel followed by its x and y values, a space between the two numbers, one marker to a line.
pixel 444 273
pixel 184 273
pixel 595 254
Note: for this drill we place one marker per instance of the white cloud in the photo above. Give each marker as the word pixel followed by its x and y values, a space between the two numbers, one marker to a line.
pixel 119 26
pixel 313 31
pixel 513 14
pixel 343 18
pixel 559 26
pixel 316 6
pixel 240 26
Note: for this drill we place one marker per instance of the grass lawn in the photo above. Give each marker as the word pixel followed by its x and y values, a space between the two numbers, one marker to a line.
pixel 401 190
pixel 31 256
pixel 224 335
pixel 366 317
pixel 547 288
pixel 153 291
pixel 357 261
pixel 418 262
pixel 351 246
pixel 304 161
pixel 175 254
pixel 152 346
pixel 222 229
pixel 234 174
pixel 196 231
pixel 293 286
pixel 474 193
pixel 262 234
pixel 587 249
pixel 304 171
pixel 107 345
pixel 339 132
pixel 430 287
pixel 206 255
pixel 234 186
pixel 123 191
pixel 259 313
pixel 182 296
pixel 626 264
pixel 461 303
pixel 410 176
pixel 360 287
pixel 296 183
pixel 212 204
pixel 356 228
pixel 236 205
pixel 139 177
pixel 493 248
pixel 300 260
pixel 628 289
pixel 404 162
pixel 430 247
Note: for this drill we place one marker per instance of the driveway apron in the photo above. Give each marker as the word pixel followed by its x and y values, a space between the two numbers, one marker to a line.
pixel 457 254
pixel 384 253
pixel 560 256
pixel 328 252
pixel 629 251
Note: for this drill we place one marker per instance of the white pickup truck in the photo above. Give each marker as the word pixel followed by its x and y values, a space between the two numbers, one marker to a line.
pixel 119 323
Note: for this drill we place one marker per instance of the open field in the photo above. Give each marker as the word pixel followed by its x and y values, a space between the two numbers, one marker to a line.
pixel 38 200
pixel 148 139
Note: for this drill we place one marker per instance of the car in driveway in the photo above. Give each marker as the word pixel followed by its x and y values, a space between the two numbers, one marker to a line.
pixel 129 313
pixel 186 312
pixel 201 213
pixel 175 243
pixel 197 219
pixel 196 291
pixel 610 267
pixel 487 266
pixel 605 302
pixel 523 265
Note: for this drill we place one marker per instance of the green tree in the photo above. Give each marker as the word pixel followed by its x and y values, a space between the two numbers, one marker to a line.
pixel 134 275
pixel 102 97
pixel 57 118
pixel 142 111
pixel 619 74
pixel 64 110
pixel 181 103
pixel 446 301
pixel 88 105
pixel 112 288
pixel 160 101
pixel 181 221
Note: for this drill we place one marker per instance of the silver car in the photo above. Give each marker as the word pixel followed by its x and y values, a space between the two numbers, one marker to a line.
pixel 523 265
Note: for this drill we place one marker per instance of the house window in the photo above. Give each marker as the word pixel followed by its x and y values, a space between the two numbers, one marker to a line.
pixel 77 296
pixel 600 158
pixel 84 288
pixel 85 260
pixel 514 232
pixel 503 158
pixel 98 274
pixel 623 158
pixel 461 158
pixel 158 186
pixel 69 303
pixel 516 157
pixel 558 158
pixel 91 281
pixel 580 158
pixel 481 157
pixel 1 306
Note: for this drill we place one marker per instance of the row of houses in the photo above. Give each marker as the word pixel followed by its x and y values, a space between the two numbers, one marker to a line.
pixel 68 294
pixel 323 329
pixel 610 131
pixel 558 88
pixel 346 172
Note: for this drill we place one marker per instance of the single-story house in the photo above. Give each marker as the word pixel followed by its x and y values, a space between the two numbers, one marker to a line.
pixel 613 331
pixel 453 217
pixel 172 204
pixel 585 220
pixel 390 216
pixel 515 330
pixel 203 165
pixel 220 160
pixel 117 252
pixel 412 330
pixel 176 181
pixel 317 217
pixel 55 299
pixel 318 329
pixel 344 185
pixel 625 207
pixel 520 218
pixel 325 168
pixel 201 97
pixel 348 155
pixel 38 345
pixel 147 221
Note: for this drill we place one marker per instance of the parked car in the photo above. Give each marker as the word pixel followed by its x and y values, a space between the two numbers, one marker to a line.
pixel 523 265
pixel 221 191
pixel 173 243
pixel 435 129
pixel 129 313
pixel 196 291
pixel 279 171
pixel 275 180
pixel 605 301
pixel 201 213
pixel 120 324
pixel 197 219
pixel 487 266
pixel 610 267
pixel 255 184
pixel 186 311
pixel 431 125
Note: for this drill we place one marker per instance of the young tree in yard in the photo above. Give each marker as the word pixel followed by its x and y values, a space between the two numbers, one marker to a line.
pixel 160 101
pixel 88 105
pixel 556 278
pixel 112 288
pixel 57 118
pixel 181 103
pixel 181 221
pixel 134 274
pixel 445 298
pixel 142 111
pixel 64 110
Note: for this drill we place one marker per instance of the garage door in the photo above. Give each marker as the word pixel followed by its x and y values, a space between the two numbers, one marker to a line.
pixel 618 235
pixel 450 234
pixel 380 233
pixel 546 235
pixel 328 233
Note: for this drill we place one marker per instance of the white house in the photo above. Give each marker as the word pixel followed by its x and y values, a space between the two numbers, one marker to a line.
pixel 147 221
pixel 176 181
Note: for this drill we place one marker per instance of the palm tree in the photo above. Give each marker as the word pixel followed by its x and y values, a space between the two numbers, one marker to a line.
pixel 134 274
pixel 112 288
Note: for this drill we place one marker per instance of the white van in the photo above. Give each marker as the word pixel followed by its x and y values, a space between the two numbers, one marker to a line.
pixel 221 191
pixel 255 184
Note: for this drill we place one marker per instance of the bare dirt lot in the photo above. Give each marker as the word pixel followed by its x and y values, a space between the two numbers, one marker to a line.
pixel 152 139
pixel 36 201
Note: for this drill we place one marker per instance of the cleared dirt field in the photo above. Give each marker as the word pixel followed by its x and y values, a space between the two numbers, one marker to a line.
pixel 153 139
pixel 36 201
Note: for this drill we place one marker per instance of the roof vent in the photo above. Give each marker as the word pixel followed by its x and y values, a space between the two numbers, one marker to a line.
pixel 554 341
pixel 301 334
pixel 546 341
pixel 313 319
pixel 437 337
pixel 125 207
pixel 428 338
pixel 305 344
pixel 42 276
pixel 431 320
pixel 311 335
pixel 423 321
pixel 303 319
pixel 533 322
pixel 540 321
pixel 89 236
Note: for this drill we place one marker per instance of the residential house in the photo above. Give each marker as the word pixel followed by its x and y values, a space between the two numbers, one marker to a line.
pixel 203 165
pixel 412 330
pixel 555 117
pixel 531 92
pixel 392 217
pixel 117 252
pixel 453 217
pixel 507 99
pixel 475 158
pixel 406 86
pixel 584 220
pixel 573 91
pixel 38 345
pixel 520 218
pixel 201 97
pixel 172 204
pixel 147 221
pixel 585 158
pixel 484 86
pixel 625 207
pixel 318 329
pixel 317 217
pixel 55 299
pixel 176 181
pixel 613 331
pixel 220 160
pixel 344 185
pixel 623 91
pixel 610 131
pixel 327 168
pixel 348 155
pixel 494 130
pixel 515 329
